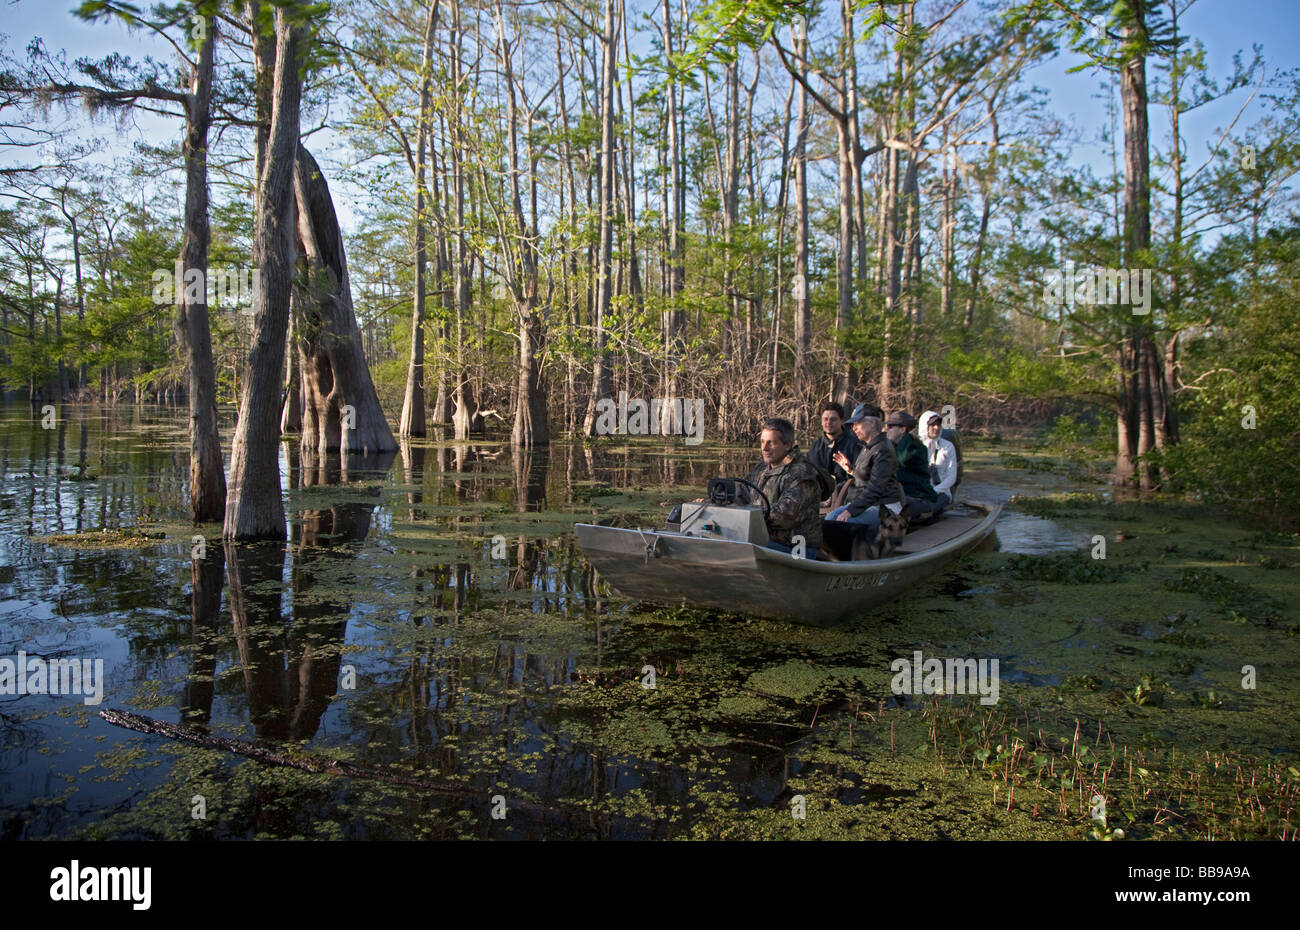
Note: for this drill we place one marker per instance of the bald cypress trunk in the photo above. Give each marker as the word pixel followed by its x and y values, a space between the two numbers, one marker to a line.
pixel 1137 242
pixel 600 377
pixel 341 411
pixel 254 508
pixel 412 419
pixel 207 475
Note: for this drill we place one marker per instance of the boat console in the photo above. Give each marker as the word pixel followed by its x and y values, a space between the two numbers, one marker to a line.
pixel 721 517
pixel 740 522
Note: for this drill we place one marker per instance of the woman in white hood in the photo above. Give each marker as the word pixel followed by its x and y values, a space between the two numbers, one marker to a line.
pixel 942 455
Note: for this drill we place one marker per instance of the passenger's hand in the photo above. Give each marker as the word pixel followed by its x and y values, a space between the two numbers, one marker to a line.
pixel 843 517
pixel 698 500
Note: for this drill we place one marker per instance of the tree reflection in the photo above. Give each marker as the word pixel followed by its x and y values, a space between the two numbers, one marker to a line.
pixel 291 671
pixel 205 619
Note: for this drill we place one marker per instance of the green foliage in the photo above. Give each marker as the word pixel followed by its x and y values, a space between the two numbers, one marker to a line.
pixel 125 330
pixel 1065 568
pixel 1147 692
pixel 1072 505
pixel 1238 599
pixel 1077 437
pixel 995 370
pixel 1240 431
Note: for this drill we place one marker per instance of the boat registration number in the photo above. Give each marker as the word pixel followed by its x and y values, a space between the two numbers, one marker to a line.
pixel 855 582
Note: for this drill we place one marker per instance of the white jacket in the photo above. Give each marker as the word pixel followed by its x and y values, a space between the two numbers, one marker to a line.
pixel 942 455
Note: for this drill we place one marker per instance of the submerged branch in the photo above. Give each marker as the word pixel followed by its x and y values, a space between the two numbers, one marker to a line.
pixel 308 763
pixel 320 765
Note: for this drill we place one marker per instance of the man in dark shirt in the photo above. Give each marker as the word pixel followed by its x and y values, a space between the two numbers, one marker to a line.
pixel 835 438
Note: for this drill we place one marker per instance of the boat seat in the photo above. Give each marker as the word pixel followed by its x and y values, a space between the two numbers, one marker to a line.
pixel 845 540
pixel 948 526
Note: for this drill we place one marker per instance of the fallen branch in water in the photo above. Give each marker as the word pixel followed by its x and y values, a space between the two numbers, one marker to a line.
pixel 308 763
pixel 316 764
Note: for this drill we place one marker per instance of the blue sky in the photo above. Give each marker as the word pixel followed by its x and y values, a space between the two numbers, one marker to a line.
pixel 1223 26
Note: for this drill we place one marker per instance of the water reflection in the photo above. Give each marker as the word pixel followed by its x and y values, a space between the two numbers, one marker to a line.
pixel 496 668
pixel 1027 534
pixel 291 670
pixel 206 576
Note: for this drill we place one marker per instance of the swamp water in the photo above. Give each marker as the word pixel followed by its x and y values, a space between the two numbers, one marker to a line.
pixel 430 656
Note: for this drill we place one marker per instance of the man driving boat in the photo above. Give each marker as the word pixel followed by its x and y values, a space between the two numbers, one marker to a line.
pixel 791 485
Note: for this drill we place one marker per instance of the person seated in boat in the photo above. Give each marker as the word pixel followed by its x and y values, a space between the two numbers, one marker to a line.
pixel 874 471
pixel 913 467
pixel 792 487
pixel 942 456
pixel 835 439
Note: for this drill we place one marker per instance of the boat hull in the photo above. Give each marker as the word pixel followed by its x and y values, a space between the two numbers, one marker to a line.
pixel 740 577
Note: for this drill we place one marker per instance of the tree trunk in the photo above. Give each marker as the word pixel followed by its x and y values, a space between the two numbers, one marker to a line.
pixel 1170 384
pixel 531 427
pixel 911 273
pixel 568 194
pixel 948 184
pixel 254 508
pixel 627 117
pixel 802 287
pixel 843 373
pixel 412 420
pixel 291 418
pixel 1146 420
pixel 207 475
pixel 81 292
pixel 986 187
pixel 675 277
pixel 844 136
pixel 1137 226
pixel 600 386
pixel 1166 421
pixel 442 276
pixel 856 148
pixel 341 411
pixel 1124 438
pixel 62 375
pixel 844 260
pixel 782 205
pixel 463 404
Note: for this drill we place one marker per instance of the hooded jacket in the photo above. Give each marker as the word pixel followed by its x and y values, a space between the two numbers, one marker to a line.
pixel 941 454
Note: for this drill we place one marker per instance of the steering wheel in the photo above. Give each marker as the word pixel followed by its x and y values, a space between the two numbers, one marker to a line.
pixel 767 505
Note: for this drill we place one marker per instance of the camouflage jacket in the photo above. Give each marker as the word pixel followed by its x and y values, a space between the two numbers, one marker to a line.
pixel 795 494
